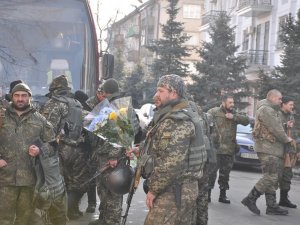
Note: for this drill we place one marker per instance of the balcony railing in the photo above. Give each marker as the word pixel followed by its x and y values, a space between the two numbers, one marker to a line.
pixel 210 15
pixel 250 3
pixel 254 7
pixel 256 57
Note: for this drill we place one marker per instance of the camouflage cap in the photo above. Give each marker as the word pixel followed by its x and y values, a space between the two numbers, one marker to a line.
pixel 21 87
pixel 173 83
pixel 60 82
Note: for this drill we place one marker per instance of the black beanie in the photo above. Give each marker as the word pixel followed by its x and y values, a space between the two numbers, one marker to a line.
pixel 81 96
pixel 13 84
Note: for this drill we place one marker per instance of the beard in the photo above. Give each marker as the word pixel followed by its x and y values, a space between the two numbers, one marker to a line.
pixel 21 108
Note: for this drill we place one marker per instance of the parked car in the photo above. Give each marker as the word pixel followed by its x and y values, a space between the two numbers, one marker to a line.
pixel 145 114
pixel 246 155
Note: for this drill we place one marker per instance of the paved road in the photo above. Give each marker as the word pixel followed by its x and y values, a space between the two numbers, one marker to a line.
pixel 220 214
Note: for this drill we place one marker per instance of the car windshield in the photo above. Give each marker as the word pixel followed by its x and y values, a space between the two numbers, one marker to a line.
pixel 244 129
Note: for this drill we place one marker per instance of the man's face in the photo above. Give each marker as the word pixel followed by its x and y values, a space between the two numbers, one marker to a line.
pixel 21 100
pixel 100 95
pixel 288 107
pixel 163 96
pixel 228 104
pixel 276 99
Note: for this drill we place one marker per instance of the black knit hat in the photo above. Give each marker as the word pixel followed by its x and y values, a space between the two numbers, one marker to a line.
pixel 81 96
pixel 110 86
pixel 13 84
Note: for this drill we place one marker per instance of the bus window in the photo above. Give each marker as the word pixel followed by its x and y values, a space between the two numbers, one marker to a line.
pixel 38 37
pixel 59 67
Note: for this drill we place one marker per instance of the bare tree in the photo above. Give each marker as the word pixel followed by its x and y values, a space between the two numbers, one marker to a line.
pixel 101 29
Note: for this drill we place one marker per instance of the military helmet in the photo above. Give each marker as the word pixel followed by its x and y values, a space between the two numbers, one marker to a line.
pixel 119 179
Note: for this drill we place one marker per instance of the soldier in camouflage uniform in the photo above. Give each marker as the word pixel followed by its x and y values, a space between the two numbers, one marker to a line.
pixel 270 139
pixel 92 163
pixel 172 184
pixel 288 121
pixel 110 203
pixel 21 127
pixel 210 165
pixel 224 137
pixel 65 114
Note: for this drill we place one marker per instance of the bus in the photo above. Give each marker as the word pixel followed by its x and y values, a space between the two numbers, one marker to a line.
pixel 42 39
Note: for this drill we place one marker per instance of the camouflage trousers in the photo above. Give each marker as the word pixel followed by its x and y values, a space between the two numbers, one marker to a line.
pixel 272 167
pixel 73 163
pixel 224 165
pixel 165 211
pixel 202 199
pixel 110 203
pixel 286 178
pixel 55 215
pixel 16 205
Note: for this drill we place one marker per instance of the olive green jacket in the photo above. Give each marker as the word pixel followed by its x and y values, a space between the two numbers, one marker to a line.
pixel 268 131
pixel 225 130
pixel 16 135
pixel 285 117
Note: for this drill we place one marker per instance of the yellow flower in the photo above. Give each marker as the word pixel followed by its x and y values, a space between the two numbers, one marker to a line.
pixel 113 116
pixel 123 111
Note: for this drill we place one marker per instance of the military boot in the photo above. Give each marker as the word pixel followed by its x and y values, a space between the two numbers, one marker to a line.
pixel 284 200
pixel 223 198
pixel 99 221
pixel 272 206
pixel 250 201
pixel 209 195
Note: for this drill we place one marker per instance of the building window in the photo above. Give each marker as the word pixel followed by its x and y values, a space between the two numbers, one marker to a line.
pixel 282 21
pixel 191 11
pixel 246 38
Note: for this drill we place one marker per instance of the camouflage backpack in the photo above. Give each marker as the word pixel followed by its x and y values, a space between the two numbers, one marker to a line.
pixel 72 124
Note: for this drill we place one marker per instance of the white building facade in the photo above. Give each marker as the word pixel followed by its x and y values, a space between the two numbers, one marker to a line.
pixel 257 30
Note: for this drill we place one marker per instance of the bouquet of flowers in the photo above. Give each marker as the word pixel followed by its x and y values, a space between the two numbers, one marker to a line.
pixel 112 121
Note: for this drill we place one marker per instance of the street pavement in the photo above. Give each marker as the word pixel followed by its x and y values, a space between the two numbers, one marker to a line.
pixel 219 214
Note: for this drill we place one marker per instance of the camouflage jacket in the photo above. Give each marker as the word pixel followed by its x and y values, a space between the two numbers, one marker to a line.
pixel 285 117
pixel 268 131
pixel 55 112
pixel 16 135
pixel 169 145
pixel 225 130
